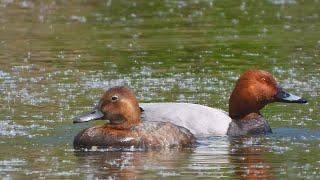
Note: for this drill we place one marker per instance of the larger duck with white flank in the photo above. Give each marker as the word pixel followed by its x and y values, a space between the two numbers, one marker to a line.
pixel 254 89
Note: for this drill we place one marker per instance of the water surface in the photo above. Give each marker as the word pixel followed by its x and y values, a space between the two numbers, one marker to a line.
pixel 58 57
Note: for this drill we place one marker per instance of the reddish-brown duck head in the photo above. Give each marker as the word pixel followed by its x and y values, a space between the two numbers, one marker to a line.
pixel 119 106
pixel 255 89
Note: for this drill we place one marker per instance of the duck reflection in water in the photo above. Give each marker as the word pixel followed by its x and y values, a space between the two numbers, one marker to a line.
pixel 129 165
pixel 248 155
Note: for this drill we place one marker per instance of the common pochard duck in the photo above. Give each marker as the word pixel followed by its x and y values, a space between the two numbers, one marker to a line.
pixel 125 130
pixel 254 89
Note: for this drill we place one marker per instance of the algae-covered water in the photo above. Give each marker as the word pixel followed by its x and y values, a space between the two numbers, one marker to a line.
pixel 58 57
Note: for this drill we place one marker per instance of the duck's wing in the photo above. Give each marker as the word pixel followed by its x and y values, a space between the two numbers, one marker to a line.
pixel 200 120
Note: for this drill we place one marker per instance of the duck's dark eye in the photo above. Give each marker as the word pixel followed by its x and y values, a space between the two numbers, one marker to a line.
pixel 114 98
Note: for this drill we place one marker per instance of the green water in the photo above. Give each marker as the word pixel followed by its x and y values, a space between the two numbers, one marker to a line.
pixel 58 57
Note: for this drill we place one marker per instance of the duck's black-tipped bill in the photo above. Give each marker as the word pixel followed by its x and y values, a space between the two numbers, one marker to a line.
pixel 283 96
pixel 94 115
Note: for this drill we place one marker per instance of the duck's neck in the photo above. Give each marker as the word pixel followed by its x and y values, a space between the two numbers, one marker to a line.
pixel 251 124
pixel 127 124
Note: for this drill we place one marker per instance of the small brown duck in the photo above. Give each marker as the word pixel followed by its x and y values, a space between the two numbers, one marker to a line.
pixel 125 129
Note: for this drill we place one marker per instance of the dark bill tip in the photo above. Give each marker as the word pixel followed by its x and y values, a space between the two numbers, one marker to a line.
pixel 302 101
pixel 94 115
pixel 283 96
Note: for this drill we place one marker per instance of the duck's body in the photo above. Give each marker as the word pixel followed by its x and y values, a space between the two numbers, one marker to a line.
pixel 125 130
pixel 146 135
pixel 203 120
pixel 200 120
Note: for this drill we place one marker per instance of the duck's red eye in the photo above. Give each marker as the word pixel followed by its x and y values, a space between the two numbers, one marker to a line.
pixel 114 98
pixel 263 79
